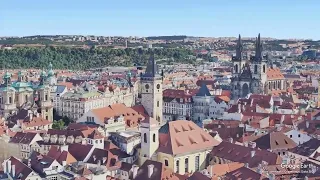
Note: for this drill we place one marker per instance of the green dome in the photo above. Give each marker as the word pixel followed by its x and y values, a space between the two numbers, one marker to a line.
pixel 43 74
pixel 6 75
pixel 50 70
pixel 129 74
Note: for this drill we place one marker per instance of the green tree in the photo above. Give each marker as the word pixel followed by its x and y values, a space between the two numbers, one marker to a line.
pixel 58 124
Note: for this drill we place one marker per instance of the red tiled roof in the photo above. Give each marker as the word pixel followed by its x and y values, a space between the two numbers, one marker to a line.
pixel 185 136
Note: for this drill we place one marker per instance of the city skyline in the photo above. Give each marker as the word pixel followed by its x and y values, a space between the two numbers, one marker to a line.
pixel 281 20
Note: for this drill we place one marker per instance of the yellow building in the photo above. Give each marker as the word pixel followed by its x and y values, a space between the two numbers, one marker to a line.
pixel 182 146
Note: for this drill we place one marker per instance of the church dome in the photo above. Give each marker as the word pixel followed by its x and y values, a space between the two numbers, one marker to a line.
pixel 50 71
pixel 6 75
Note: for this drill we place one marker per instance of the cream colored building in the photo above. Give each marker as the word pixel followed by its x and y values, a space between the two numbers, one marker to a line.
pixel 8 149
pixel 75 104
pixel 180 145
pixel 24 94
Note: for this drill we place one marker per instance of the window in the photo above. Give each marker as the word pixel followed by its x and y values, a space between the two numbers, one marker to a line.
pixel 299 135
pixel 166 163
pixel 154 137
pixel 145 138
pixel 290 136
pixel 158 103
pixel 236 68
pixel 264 68
pixel 10 100
pixel 197 162
pixel 46 97
pixel 186 164
pixel 255 69
pixel 284 153
pixel 26 98
pixel 177 166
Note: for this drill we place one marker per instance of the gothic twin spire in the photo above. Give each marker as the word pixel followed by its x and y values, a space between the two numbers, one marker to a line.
pixel 258 49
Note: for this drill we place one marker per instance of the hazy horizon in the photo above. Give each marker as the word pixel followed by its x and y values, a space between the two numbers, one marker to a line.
pixel 283 19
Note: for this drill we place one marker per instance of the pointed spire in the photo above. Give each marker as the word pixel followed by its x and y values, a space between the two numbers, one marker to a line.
pixel 239 49
pixel 258 55
pixel 152 68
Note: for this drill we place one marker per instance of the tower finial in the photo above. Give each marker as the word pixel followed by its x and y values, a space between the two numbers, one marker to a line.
pixel 239 48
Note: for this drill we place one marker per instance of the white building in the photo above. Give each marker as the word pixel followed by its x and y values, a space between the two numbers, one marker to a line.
pixel 201 104
pixel 75 104
pixel 218 106
pixel 177 104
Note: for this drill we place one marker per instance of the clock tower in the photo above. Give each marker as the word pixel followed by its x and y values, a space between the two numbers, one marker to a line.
pixel 151 94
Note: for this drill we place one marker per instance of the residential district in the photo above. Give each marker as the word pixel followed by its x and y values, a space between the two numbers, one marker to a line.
pixel 250 117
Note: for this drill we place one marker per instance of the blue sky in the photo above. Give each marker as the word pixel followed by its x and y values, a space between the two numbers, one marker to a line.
pixel 212 18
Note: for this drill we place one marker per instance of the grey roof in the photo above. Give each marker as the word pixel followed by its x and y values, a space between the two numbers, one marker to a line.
pixel 152 68
pixel 60 89
pixel 203 91
pixel 164 129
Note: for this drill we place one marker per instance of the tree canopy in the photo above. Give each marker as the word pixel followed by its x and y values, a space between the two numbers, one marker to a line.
pixel 80 58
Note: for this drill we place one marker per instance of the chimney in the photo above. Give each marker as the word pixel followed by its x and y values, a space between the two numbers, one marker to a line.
pixel 239 108
pixel 231 140
pixel 245 144
pixel 150 170
pixel 282 119
pixel 271 176
pixel 211 171
pixel 307 124
pixel 13 170
pixel 253 144
pixel 135 171
pixel 30 116
pixel 259 169
pixel 246 165
pixel 29 163
pixel 253 153
pixel 64 163
pixel 9 166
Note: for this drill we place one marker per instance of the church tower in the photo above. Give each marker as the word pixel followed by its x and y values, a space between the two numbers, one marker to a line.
pixel 149 129
pixel 259 67
pixel 238 65
pixel 44 100
pixel 7 99
pixel 151 93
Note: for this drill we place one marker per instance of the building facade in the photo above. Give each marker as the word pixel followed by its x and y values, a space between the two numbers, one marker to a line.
pixel 22 94
pixel 151 93
pixel 254 74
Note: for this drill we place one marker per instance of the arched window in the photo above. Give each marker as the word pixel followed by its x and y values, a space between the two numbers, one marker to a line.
pixel 269 85
pixel 274 85
pixel 154 138
pixel 236 68
pixel 256 69
pixel 145 137
pixel 264 68
pixel 166 163
pixel 177 166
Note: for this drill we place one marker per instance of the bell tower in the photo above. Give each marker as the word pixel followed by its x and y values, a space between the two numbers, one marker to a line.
pixel 44 100
pixel 259 67
pixel 151 94
pixel 7 96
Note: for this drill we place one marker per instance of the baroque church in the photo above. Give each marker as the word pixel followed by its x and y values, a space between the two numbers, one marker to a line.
pixel 26 95
pixel 255 74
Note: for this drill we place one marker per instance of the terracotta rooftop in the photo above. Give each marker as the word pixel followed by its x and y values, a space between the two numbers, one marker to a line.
pixel 274 74
pixel 185 136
